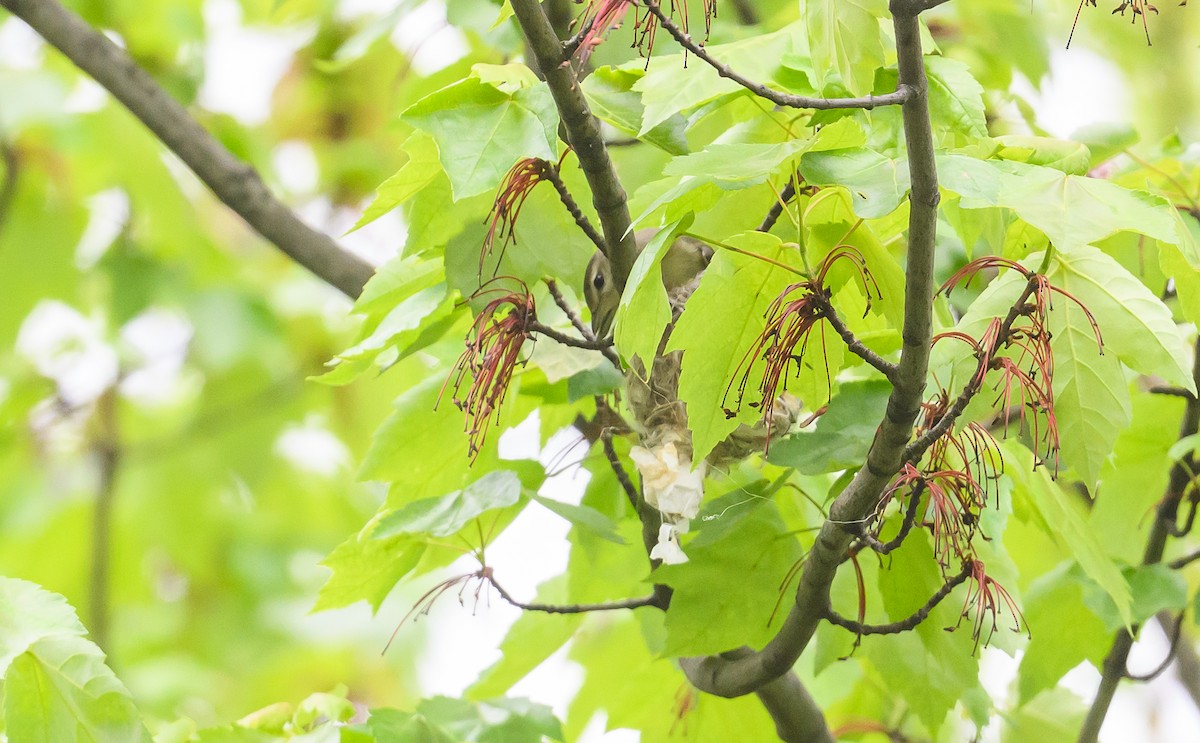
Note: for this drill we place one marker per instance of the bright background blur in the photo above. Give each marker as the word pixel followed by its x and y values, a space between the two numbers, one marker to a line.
pixel 124 280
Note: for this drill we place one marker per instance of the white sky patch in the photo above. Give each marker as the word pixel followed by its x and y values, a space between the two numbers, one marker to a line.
pixel 20 46
pixel 349 10
pixel 428 39
pixel 86 97
pixel 375 243
pixel 108 211
pixel 243 66
pixel 296 166
pixel 1082 88
pixel 311 447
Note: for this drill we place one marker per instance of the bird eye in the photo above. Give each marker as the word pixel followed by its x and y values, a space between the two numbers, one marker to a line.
pixel 598 282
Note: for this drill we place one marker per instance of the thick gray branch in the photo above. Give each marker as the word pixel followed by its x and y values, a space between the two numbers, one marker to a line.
pixel 583 134
pixel 234 182
pixel 732 677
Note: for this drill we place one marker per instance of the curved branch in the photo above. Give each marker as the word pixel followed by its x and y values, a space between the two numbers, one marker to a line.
pixel 571 608
pixel 1187 664
pixel 583 134
pixel 916 449
pixel 901 94
pixel 564 195
pixel 853 344
pixel 567 340
pixel 908 623
pixel 234 182
pixel 1114 668
pixel 734 677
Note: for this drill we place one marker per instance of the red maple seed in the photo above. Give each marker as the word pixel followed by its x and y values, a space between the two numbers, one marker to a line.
pixel 987 598
pixel 492 354
pixel 1023 354
pixel 515 188
pixel 604 16
pixel 783 341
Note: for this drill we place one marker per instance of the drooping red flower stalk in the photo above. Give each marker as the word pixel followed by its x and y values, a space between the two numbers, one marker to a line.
pixel 492 354
pixel 972 448
pixel 603 17
pixel 985 599
pixel 518 183
pixel 1022 354
pixel 784 339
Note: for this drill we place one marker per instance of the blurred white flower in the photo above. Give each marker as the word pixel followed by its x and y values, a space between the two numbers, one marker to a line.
pixel 69 349
pixel 155 346
pixel 312 448
pixel 670 483
pixel 668 549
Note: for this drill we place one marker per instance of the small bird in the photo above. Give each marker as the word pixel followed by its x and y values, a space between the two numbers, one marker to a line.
pixel 685 259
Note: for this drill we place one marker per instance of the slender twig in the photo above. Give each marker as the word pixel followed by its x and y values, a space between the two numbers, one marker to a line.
pixel 569 311
pixel 551 174
pixel 568 608
pixel 1114 667
pixel 618 469
pixel 906 525
pixel 776 211
pixel 583 134
pixel 901 94
pixel 595 344
pixel 1162 389
pixel 914 451
pixel 908 623
pixel 1182 530
pixel 728 677
pixel 1166 662
pixel 855 346
pixel 571 45
pixel 1195 206
pixel 1184 561
pixel 234 182
pixel 567 340
pixel 1187 664
pixel 107 448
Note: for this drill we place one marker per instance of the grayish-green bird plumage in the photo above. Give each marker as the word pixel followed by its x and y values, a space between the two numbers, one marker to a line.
pixel 685 259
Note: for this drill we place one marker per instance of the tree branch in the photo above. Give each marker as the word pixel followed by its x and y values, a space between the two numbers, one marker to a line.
pixel 914 451
pixel 1114 668
pixel 776 211
pixel 901 94
pixel 1174 636
pixel 618 469
pixel 570 608
pixel 234 182
pixel 908 623
pixel 906 525
pixel 1187 664
pixel 551 174
pixel 733 677
pixel 855 346
pixel 583 134
pixel 1185 560
pixel 567 340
